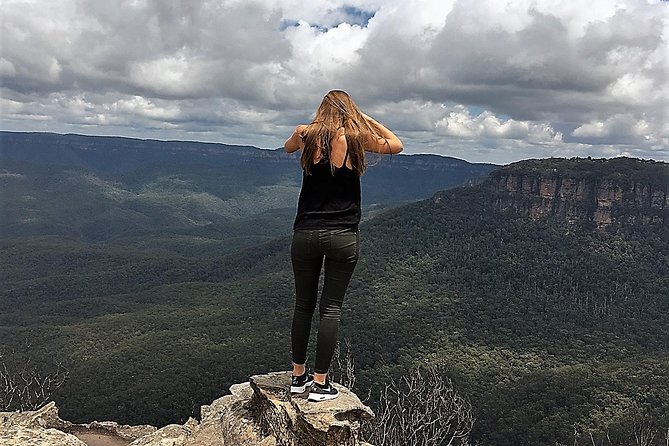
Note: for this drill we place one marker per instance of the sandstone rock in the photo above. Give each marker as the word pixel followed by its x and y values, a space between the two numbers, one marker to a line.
pixel 230 420
pixel 261 412
pixel 45 427
pixel 107 432
pixel 580 196
pixel 296 421
pixel 170 435
pixel 46 416
pixel 17 435
pixel 39 427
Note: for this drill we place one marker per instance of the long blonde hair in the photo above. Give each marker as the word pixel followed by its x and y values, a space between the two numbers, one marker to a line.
pixel 337 110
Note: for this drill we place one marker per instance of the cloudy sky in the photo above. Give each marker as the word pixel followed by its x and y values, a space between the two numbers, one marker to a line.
pixel 485 80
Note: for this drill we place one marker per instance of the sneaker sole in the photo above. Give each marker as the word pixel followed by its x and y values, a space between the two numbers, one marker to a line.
pixel 302 389
pixel 320 397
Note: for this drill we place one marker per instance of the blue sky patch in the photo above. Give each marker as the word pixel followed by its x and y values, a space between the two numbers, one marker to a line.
pixel 334 18
pixel 358 16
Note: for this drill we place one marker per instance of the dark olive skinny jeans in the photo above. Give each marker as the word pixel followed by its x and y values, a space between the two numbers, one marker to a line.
pixel 310 249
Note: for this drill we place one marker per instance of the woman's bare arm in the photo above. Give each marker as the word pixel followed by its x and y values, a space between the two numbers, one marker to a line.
pixel 295 141
pixel 388 142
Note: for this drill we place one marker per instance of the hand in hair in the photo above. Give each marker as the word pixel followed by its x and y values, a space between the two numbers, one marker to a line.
pixel 386 142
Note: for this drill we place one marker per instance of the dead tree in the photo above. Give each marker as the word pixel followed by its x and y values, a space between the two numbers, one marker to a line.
pixel 421 409
pixel 643 434
pixel 343 364
pixel 23 386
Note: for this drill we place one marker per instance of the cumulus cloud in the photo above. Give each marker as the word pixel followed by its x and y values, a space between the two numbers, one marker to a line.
pixel 486 81
pixel 630 132
pixel 460 123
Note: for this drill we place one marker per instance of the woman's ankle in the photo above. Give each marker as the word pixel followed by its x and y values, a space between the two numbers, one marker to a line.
pixel 299 369
pixel 320 378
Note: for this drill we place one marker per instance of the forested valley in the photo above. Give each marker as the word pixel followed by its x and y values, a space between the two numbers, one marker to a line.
pixel 157 288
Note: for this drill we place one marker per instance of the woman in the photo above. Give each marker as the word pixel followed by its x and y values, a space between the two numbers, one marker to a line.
pixel 326 226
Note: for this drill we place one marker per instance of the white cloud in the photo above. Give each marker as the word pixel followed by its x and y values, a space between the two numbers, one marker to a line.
pixel 172 76
pixel 460 123
pixel 146 108
pixel 621 126
pixel 515 75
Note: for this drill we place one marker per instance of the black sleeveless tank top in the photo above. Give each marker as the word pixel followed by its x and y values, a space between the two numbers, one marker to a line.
pixel 328 200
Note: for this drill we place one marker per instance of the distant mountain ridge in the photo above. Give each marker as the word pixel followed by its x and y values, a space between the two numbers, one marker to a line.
pixel 89 151
pixel 110 153
pixel 102 187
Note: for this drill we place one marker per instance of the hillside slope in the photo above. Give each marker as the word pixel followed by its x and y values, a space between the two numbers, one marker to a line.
pixel 552 329
pixel 551 326
pixel 104 188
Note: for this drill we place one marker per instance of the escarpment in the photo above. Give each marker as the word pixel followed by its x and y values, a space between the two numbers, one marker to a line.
pixel 597 193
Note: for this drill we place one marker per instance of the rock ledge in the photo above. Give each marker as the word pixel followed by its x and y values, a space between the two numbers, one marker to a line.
pixel 261 412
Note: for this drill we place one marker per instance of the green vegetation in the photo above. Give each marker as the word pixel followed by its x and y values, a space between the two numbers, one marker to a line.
pixel 553 333
pixel 544 328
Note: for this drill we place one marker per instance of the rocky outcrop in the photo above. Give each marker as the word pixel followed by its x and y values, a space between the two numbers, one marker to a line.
pixel 598 193
pixel 261 412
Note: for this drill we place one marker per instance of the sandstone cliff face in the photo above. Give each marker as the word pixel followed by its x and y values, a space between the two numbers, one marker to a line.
pixel 588 198
pixel 260 412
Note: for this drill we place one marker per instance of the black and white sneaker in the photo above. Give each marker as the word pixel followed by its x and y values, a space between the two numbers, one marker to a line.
pixel 322 392
pixel 300 384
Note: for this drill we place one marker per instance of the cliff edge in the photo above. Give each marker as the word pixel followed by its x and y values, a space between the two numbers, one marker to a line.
pixel 591 192
pixel 260 412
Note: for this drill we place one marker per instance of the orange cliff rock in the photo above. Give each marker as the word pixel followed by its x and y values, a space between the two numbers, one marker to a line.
pixel 579 192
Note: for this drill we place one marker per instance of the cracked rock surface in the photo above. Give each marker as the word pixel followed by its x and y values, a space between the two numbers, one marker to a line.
pixel 260 412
